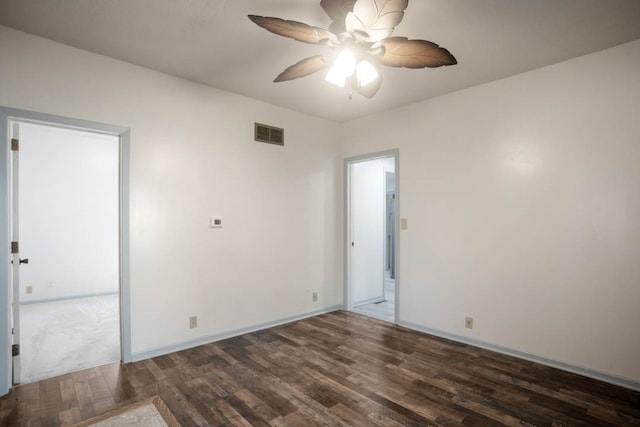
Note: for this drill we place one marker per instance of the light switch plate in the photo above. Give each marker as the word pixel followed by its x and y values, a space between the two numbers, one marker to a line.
pixel 403 223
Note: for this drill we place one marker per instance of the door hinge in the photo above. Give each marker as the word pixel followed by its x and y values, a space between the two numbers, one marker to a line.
pixel 15 350
pixel 14 247
pixel 14 144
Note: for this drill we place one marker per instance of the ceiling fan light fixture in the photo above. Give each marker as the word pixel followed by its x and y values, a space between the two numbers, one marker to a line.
pixel 360 29
pixel 343 67
pixel 366 73
pixel 336 78
pixel 346 63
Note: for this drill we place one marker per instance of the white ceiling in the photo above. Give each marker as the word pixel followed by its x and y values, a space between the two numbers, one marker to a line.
pixel 213 42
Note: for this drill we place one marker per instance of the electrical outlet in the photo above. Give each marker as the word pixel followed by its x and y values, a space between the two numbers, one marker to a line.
pixel 314 296
pixel 49 283
pixel 29 289
pixel 468 322
pixel 193 322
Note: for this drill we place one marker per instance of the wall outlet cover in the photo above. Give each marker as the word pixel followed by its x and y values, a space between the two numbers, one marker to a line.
pixel 468 322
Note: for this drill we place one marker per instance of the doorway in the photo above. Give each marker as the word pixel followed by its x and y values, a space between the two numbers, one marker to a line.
pixel 67 190
pixel 68 227
pixel 371 200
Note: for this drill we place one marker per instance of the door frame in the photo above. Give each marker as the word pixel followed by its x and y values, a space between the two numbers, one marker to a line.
pixel 24 116
pixel 348 286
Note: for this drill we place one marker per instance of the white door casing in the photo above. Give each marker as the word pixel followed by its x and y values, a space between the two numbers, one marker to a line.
pixel 8 323
pixel 351 235
pixel 15 252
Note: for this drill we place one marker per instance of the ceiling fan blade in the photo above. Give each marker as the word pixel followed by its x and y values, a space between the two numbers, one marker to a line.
pixel 402 52
pixel 293 29
pixel 337 10
pixel 377 18
pixel 303 68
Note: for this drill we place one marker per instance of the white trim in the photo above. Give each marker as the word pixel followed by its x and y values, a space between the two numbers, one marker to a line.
pixel 348 303
pixel 25 116
pixel 160 351
pixel 587 372
pixel 72 297
pixel 14 185
pixel 125 254
pixel 376 316
pixel 5 287
pixel 368 301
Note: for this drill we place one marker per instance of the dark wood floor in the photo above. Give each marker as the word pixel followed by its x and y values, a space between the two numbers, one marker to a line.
pixel 338 369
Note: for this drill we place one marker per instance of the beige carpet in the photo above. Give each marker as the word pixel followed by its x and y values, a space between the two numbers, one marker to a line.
pixel 59 337
pixel 147 413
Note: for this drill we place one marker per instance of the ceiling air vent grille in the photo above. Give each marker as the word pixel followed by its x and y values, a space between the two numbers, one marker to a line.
pixel 269 134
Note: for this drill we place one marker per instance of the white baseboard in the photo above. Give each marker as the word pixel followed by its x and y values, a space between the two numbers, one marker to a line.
pixel 591 373
pixel 70 297
pixel 224 335
pixel 369 301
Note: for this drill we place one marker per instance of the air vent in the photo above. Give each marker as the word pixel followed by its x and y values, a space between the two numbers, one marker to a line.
pixel 269 134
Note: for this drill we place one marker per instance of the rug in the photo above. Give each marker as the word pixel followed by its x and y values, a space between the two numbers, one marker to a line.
pixel 152 412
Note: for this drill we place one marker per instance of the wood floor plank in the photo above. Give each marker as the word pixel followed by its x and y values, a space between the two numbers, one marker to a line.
pixel 28 400
pixel 257 405
pixel 336 369
pixel 50 398
pixel 352 417
pixel 69 416
pixel 200 396
pixel 83 394
pixel 182 408
pixel 231 414
pixel 68 393
pixel 99 388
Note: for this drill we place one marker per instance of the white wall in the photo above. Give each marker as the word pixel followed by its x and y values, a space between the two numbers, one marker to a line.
pixel 68 212
pixel 193 156
pixel 522 199
pixel 523 205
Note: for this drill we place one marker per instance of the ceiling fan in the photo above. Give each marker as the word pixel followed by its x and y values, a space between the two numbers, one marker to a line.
pixel 360 42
